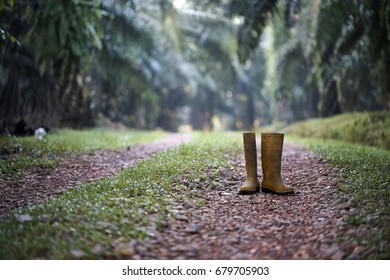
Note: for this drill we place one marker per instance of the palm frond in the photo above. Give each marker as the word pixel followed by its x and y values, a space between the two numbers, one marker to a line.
pixel 255 20
pixel 291 12
pixel 200 17
pixel 288 52
pixel 129 23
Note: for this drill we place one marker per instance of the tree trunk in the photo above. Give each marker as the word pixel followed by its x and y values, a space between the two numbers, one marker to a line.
pixel 10 101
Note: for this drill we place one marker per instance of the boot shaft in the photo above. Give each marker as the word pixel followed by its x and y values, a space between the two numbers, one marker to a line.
pixel 250 153
pixel 271 159
pixel 271 149
pixel 251 185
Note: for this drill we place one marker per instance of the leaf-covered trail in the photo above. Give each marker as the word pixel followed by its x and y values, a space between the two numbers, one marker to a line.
pixel 307 225
pixel 40 184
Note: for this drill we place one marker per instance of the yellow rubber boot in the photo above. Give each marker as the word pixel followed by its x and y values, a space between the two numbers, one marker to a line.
pixel 251 185
pixel 271 160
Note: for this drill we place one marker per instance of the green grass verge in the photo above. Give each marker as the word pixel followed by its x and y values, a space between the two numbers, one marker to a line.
pixel 96 219
pixel 365 178
pixel 345 140
pixel 102 216
pixel 371 128
pixel 20 154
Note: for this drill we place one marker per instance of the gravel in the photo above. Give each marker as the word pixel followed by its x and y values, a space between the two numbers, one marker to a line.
pixel 311 224
pixel 215 222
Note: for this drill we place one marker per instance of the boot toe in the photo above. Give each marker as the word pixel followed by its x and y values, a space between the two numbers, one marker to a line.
pixel 245 189
pixel 245 192
pixel 278 190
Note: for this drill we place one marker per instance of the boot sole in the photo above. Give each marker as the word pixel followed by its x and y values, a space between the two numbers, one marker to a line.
pixel 265 190
pixel 247 192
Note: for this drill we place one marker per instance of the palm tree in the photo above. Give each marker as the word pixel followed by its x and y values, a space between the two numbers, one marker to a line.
pixel 334 44
pixel 57 40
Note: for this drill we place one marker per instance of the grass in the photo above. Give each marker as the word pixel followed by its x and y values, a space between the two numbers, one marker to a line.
pixel 372 129
pixel 365 180
pixel 98 219
pixel 364 170
pixel 20 154
pixel 359 145
pixel 103 216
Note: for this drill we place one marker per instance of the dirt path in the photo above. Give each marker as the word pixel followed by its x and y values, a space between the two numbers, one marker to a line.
pixel 75 170
pixel 308 225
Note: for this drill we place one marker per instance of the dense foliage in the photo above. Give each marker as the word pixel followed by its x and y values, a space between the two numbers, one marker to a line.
pixel 208 63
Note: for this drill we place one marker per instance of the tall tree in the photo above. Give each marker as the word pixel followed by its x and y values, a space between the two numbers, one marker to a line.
pixel 43 77
pixel 326 54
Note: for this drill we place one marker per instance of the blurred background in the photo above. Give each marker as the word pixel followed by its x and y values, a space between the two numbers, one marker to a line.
pixel 190 64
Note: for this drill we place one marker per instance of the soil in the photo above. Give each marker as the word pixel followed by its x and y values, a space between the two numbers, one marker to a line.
pixel 310 224
pixel 74 170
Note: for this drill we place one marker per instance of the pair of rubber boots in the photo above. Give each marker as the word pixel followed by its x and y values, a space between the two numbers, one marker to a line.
pixel 271 159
